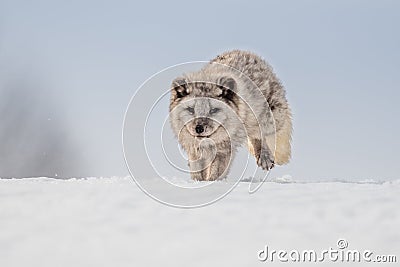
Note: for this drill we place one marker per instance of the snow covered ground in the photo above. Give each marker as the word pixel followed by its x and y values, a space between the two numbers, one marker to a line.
pixel 110 222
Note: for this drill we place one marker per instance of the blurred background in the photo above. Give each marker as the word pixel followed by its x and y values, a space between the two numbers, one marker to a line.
pixel 69 68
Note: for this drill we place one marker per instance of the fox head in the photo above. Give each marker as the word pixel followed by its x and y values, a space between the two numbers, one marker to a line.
pixel 202 108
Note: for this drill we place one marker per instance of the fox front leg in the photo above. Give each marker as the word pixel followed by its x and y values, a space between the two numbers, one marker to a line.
pixel 198 174
pixel 262 153
pixel 198 168
pixel 200 161
pixel 262 141
pixel 221 163
pixel 219 167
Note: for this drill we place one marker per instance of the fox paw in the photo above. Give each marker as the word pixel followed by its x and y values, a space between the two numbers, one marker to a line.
pixel 198 176
pixel 265 160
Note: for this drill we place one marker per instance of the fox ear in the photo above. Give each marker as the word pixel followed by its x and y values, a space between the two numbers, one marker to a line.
pixel 179 87
pixel 228 87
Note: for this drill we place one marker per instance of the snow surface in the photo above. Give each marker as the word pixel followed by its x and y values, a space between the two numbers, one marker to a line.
pixel 110 222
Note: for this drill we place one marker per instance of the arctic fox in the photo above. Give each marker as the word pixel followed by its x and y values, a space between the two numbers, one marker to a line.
pixel 235 99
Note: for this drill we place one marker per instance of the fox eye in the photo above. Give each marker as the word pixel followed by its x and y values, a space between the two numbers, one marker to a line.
pixel 214 110
pixel 190 109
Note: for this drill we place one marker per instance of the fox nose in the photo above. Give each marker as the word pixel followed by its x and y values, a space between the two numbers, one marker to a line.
pixel 199 128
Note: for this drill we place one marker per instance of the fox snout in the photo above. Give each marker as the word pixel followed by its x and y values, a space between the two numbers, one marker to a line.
pixel 202 127
pixel 199 128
